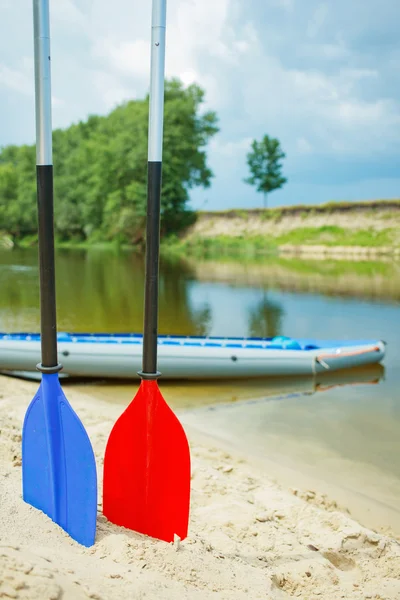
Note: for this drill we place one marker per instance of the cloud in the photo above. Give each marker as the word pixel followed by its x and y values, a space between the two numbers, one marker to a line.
pixel 328 107
pixel 286 5
pixel 318 19
pixel 110 90
pixel 67 13
pixel 128 58
pixel 320 76
pixel 231 148
pixel 17 80
pixel 303 146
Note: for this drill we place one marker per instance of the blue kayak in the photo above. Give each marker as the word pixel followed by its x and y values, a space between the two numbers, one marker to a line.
pixel 119 355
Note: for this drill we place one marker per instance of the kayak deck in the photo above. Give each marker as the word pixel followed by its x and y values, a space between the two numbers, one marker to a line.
pixel 278 342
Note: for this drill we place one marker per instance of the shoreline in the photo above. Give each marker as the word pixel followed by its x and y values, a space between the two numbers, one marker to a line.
pixel 371 512
pixel 231 246
pixel 248 536
pixel 343 230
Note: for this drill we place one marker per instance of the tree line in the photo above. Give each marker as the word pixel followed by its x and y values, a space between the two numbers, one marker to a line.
pixel 100 171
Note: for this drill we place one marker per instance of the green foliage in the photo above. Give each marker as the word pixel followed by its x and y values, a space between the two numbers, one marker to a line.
pixel 264 162
pixel 17 190
pixel 100 172
pixel 222 245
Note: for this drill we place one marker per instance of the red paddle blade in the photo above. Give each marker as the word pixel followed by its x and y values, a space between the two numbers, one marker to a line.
pixel 146 484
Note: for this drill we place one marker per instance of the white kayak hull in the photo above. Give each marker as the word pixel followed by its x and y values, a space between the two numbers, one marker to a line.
pixel 120 355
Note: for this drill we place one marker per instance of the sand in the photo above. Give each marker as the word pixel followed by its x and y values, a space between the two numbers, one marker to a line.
pixel 249 538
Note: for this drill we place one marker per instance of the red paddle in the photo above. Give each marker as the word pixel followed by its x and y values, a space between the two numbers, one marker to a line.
pixel 147 460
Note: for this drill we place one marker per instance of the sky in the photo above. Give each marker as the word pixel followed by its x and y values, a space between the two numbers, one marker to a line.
pixel 322 77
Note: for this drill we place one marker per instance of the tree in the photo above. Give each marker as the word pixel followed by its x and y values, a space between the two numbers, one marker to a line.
pixel 264 162
pixel 100 171
pixel 17 190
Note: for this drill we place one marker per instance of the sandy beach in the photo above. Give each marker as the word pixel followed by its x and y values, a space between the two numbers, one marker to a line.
pixel 249 538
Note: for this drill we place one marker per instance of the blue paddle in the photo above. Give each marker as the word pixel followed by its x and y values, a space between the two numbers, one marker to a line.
pixel 58 464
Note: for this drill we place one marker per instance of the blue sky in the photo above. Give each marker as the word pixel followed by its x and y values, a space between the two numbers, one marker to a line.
pixel 323 77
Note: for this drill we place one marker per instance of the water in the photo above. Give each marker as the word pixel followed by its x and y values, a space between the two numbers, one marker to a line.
pixel 347 436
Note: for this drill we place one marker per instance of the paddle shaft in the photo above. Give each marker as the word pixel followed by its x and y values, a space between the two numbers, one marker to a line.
pixel 156 114
pixel 44 179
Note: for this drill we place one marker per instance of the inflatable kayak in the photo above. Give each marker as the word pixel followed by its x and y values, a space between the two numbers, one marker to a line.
pixel 119 355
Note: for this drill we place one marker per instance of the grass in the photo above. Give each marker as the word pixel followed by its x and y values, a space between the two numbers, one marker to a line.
pixel 30 241
pixel 331 235
pixel 86 245
pixel 221 246
pixel 327 235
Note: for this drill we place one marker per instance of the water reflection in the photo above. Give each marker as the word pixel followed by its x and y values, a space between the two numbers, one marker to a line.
pixel 103 291
pixel 186 394
pixel 97 291
pixel 265 319
pixel 378 280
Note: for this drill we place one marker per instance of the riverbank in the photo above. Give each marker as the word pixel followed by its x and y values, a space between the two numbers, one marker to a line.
pixel 356 230
pixel 248 538
pixel 359 229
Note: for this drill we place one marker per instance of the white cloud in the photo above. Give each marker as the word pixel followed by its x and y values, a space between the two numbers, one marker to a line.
pixel 67 12
pixel 324 108
pixel 287 5
pixel 230 148
pixel 17 80
pixel 189 77
pixel 57 101
pixel 317 20
pixel 357 74
pixel 309 75
pixel 198 32
pixel 130 58
pixel 110 90
pixel 355 112
pixel 334 51
pixel 303 146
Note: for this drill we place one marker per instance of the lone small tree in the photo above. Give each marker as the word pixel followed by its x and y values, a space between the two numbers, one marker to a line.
pixel 264 161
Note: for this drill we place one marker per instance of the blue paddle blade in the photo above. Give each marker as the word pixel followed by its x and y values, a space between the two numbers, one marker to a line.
pixel 58 464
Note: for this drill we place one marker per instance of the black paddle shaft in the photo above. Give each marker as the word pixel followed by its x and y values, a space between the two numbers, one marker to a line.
pixel 44 177
pixel 44 182
pixel 156 121
pixel 152 269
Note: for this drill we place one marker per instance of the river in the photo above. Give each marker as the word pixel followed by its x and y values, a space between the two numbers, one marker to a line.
pixel 346 436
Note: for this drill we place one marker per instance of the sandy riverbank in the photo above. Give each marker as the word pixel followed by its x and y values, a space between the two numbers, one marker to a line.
pixel 248 538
